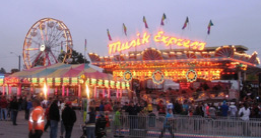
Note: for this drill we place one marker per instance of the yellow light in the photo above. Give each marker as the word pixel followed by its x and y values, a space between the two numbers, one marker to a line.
pixel 87 91
pixel 45 90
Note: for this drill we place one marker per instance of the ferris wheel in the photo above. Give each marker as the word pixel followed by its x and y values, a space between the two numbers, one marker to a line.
pixel 47 42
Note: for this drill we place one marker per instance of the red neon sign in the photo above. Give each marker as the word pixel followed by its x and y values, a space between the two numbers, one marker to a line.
pixel 12 80
pixel 160 38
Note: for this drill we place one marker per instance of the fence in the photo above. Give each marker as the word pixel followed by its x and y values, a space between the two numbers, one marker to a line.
pixel 151 126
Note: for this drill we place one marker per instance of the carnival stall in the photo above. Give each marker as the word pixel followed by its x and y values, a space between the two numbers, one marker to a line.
pixel 195 69
pixel 65 80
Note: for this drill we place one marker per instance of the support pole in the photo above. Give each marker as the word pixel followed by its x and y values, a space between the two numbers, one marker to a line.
pixel 56 91
pixel 95 92
pixel 9 90
pixel 79 90
pixel 109 93
pixel 63 91
pixel 103 93
pixel 67 91
pixel 3 90
pixel 19 64
pixel 48 91
pixel 117 93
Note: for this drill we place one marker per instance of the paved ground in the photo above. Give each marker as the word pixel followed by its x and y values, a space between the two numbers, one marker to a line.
pixel 7 130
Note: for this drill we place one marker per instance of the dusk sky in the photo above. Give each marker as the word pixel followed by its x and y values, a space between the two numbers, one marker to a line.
pixel 236 22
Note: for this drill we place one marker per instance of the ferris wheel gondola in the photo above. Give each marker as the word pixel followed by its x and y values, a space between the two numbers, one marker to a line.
pixel 45 41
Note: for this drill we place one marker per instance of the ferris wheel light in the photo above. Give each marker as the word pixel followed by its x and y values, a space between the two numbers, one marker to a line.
pixel 42 47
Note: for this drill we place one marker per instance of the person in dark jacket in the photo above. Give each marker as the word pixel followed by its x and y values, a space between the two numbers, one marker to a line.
pixel 69 118
pixel 54 118
pixel 133 115
pixel 90 124
pixel 14 106
pixel 132 109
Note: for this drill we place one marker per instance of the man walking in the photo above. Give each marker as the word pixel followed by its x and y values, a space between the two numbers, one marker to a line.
pixel 14 106
pixel 36 120
pixel 3 106
pixel 54 118
pixel 69 118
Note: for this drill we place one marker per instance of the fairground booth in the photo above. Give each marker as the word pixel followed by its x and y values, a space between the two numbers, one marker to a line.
pixel 64 80
pixel 178 68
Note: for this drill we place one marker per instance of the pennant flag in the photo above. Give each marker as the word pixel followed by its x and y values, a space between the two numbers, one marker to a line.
pixel 85 45
pixel 109 36
pixel 209 26
pixel 145 22
pixel 61 46
pixel 125 29
pixel 186 23
pixel 163 18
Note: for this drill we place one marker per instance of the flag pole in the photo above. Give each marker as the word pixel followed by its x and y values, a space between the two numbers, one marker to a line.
pixel 85 49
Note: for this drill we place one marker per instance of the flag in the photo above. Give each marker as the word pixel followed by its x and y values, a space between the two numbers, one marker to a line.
pixel 125 29
pixel 145 22
pixel 163 18
pixel 61 46
pixel 209 26
pixel 109 36
pixel 85 45
pixel 186 23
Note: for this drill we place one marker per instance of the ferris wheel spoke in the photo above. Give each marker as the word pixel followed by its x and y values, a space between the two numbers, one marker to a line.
pixel 55 38
pixel 46 30
pixel 57 43
pixel 54 57
pixel 35 41
pixel 48 58
pixel 35 60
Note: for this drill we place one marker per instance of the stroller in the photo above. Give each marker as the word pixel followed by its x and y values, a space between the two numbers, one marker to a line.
pixel 99 128
pixel 100 131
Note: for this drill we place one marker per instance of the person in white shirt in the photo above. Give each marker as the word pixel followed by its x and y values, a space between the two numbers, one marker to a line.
pixel 244 113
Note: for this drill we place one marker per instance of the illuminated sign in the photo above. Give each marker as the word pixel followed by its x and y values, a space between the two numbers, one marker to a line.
pixel 100 82
pixel 118 85
pixel 34 80
pixel 191 75
pixel 66 81
pixel 121 46
pixel 123 85
pixel 160 37
pixel 127 76
pixel 127 85
pixel 106 83
pixel 168 41
pixel 50 81
pixel 74 81
pixel 112 84
pixel 93 81
pixel 12 80
pixel 158 77
pixel 57 81
pixel 41 80
pixel 1 81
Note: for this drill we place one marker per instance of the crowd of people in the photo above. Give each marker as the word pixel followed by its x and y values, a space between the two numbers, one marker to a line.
pixel 59 111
